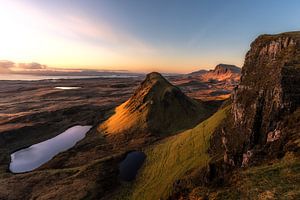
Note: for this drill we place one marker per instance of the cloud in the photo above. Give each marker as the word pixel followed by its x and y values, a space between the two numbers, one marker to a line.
pixel 67 38
pixel 34 68
pixel 5 66
pixel 95 33
pixel 32 65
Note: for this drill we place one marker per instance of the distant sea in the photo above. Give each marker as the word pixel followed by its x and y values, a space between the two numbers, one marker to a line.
pixel 35 78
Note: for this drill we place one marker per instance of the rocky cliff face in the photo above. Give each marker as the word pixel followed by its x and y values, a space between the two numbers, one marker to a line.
pixel 261 129
pixel 269 90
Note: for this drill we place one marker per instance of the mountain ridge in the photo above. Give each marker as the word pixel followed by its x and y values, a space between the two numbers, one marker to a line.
pixel 219 69
pixel 153 109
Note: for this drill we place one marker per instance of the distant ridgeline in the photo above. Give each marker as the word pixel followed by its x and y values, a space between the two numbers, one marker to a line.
pixel 222 72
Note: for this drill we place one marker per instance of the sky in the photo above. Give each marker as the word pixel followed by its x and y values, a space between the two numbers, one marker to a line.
pixel 176 36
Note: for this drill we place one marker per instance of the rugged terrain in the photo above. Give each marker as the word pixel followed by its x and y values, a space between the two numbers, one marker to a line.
pixel 216 84
pixel 33 111
pixel 157 108
pixel 222 72
pixel 39 112
pixel 248 149
pixel 255 151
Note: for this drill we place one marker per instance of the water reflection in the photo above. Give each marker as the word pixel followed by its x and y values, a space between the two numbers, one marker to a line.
pixel 34 156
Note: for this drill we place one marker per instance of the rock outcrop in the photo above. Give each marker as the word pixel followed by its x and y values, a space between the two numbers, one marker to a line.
pixel 210 85
pixel 156 108
pixel 268 93
pixel 222 72
pixel 225 68
pixel 262 127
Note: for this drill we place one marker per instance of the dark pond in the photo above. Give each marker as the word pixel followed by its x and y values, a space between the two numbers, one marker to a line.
pixel 130 165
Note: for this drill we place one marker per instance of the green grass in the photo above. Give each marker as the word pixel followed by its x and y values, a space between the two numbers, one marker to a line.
pixel 170 159
pixel 277 180
pixel 280 180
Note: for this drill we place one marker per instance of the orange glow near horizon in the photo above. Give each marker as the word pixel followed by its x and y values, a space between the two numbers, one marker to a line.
pixel 73 41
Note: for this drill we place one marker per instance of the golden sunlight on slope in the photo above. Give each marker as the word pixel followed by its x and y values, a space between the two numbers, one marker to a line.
pixel 156 108
pixel 121 120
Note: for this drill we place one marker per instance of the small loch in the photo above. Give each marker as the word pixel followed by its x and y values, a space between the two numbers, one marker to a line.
pixel 30 158
pixel 130 165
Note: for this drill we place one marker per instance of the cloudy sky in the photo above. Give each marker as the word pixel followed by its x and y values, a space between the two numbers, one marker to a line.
pixel 136 35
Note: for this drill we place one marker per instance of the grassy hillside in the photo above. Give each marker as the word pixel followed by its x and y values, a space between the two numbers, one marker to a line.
pixel 170 159
pixel 277 180
pixel 156 107
pixel 281 180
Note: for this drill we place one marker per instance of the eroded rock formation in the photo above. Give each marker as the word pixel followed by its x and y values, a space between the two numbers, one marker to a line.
pixel 264 122
pixel 269 90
